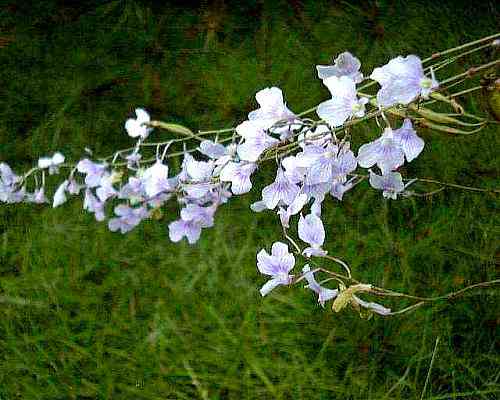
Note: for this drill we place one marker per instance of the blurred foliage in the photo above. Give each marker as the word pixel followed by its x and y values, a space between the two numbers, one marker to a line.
pixel 88 314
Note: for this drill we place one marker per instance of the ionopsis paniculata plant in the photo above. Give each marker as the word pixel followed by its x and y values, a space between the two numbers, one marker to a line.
pixel 314 164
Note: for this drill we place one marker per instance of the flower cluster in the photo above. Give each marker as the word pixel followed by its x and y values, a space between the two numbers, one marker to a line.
pixel 314 165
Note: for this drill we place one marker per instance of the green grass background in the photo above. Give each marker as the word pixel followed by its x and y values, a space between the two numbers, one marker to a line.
pixel 90 314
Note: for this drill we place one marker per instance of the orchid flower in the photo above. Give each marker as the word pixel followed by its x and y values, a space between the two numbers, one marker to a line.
pixel 391 183
pixel 344 103
pixel 344 65
pixel 136 127
pixel 278 264
pixel 239 176
pixel 272 109
pixel 128 218
pixel 281 191
pixel 385 151
pixel 256 141
pixel 402 80
pixel 52 163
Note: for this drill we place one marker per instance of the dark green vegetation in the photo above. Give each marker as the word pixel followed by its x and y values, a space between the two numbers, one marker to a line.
pixel 88 314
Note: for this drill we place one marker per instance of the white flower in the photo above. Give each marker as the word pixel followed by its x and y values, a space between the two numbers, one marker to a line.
pixel 136 127
pixel 344 65
pixel 272 108
pixel 385 151
pixel 344 103
pixel 52 163
pixel 256 141
pixel 155 179
pixel 391 183
pixel 402 80
pixel 239 176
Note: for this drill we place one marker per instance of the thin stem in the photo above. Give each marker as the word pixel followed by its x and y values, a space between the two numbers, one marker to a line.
pixel 339 261
pixel 216 131
pixel 461 47
pixel 466 91
pixel 430 368
pixel 442 64
pixel 454 185
pixel 471 71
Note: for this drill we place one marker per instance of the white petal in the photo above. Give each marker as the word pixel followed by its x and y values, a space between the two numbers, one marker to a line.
pixel 368 154
pixel 142 115
pixel 341 87
pixel 44 162
pixel 60 195
pixel 270 285
pixel 270 97
pixel 57 158
pixel 335 111
pixel 134 128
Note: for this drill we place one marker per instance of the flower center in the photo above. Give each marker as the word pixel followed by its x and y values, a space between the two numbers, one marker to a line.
pixel 357 107
pixel 426 83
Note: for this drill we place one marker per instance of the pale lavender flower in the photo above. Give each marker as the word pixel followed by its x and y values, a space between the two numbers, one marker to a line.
pixel 324 294
pixel 37 197
pixel 12 195
pixel 93 172
pixel 312 231
pixel 329 163
pixel 402 80
pixel 8 185
pixel 52 163
pixel 385 151
pixel 282 190
pixel 315 163
pixel 278 264
pixel 344 103
pixel 7 176
pixel 203 215
pixel 196 176
pixel 180 228
pixel 106 190
pixel 409 141
pixel 239 176
pixel 272 108
pixel 344 65
pixel 155 179
pixel 128 218
pixel 193 219
pixel 256 141
pixel 93 205
pixel 136 127
pixel 390 183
